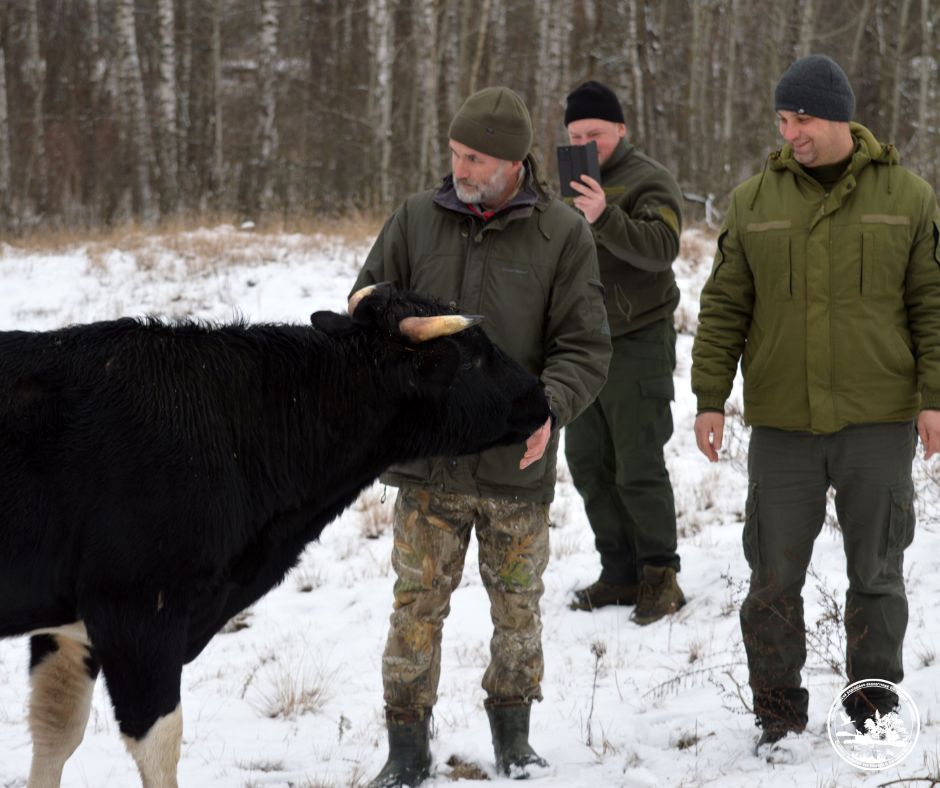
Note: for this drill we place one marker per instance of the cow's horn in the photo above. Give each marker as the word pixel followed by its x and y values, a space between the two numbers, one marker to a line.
pixel 361 293
pixel 421 329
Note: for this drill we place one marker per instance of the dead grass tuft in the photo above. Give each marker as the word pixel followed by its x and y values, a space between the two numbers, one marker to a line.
pixel 464 770
pixel 291 691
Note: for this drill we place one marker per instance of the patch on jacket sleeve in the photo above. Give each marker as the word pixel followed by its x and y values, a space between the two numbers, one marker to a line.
pixel 670 217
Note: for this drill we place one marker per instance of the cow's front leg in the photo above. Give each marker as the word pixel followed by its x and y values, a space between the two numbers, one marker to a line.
pixel 62 676
pixel 157 754
pixel 141 653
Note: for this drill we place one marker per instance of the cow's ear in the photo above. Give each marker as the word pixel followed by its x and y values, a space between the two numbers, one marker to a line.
pixel 332 323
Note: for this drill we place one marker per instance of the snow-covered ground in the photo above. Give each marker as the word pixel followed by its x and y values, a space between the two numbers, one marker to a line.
pixel 294 698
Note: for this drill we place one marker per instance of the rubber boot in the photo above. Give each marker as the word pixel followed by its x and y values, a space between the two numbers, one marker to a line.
pixel 509 723
pixel 409 752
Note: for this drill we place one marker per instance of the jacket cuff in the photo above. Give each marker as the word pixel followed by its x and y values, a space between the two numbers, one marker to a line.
pixel 710 402
pixel 602 219
pixel 930 399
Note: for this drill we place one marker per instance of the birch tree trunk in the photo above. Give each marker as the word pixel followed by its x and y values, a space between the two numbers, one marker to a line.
pixel 863 16
pixel 923 110
pixel 216 176
pixel 267 140
pixel 167 156
pixel 731 73
pixel 139 151
pixel 381 94
pixel 34 74
pixel 636 72
pixel 429 150
pixel 5 196
pixel 807 28
pixel 187 175
pixel 484 24
pixel 899 70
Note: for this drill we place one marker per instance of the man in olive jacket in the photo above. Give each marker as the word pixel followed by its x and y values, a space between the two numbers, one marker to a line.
pixel 488 242
pixel 615 448
pixel 826 285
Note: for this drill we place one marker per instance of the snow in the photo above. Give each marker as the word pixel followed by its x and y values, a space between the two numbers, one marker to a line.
pixel 292 696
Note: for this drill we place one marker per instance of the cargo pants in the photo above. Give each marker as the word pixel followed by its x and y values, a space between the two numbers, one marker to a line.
pixel 869 467
pixel 615 454
pixel 432 533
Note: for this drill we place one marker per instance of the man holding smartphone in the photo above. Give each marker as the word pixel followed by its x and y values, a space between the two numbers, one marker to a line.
pixel 615 447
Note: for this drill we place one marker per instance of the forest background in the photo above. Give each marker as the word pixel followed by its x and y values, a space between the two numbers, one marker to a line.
pixel 120 110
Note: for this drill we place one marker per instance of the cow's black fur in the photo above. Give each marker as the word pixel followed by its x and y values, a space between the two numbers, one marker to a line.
pixel 156 479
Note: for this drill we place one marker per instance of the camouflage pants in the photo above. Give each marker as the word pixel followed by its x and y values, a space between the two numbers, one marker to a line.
pixel 432 532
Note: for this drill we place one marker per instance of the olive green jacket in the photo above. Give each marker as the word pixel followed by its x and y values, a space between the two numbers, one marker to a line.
pixel 833 299
pixel 531 271
pixel 637 239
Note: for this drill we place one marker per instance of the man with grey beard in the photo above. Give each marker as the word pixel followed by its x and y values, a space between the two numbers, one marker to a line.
pixel 489 241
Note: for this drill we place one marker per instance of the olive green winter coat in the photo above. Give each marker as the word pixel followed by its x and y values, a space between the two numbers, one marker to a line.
pixel 531 271
pixel 637 239
pixel 832 299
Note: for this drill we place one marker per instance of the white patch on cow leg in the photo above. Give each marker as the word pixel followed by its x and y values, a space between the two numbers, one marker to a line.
pixel 158 753
pixel 59 704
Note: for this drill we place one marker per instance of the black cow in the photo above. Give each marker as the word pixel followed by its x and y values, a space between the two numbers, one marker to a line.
pixel 156 479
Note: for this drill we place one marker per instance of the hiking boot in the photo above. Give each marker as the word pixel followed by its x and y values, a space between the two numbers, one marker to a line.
pixel 601 594
pixel 509 723
pixel 659 595
pixel 781 743
pixel 409 753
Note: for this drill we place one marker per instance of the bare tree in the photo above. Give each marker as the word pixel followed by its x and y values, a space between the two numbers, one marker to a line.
pixel 429 150
pixel 139 147
pixel 383 54
pixel 926 68
pixel 898 70
pixel 167 156
pixel 34 72
pixel 216 169
pixel 4 140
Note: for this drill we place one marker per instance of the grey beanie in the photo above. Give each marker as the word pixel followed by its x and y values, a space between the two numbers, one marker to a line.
pixel 816 85
pixel 494 121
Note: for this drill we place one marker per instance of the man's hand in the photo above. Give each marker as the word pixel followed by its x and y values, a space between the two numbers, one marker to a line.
pixel 709 430
pixel 592 200
pixel 535 445
pixel 928 427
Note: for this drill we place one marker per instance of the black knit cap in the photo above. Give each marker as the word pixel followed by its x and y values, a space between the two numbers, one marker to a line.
pixel 816 85
pixel 593 100
pixel 494 121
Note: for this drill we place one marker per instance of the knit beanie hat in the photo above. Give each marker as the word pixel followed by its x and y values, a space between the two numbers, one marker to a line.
pixel 816 85
pixel 593 100
pixel 494 121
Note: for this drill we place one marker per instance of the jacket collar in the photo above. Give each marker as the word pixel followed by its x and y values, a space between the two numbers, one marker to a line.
pixel 867 150
pixel 619 154
pixel 530 194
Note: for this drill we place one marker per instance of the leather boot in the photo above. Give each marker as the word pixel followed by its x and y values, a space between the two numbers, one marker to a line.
pixel 660 595
pixel 409 752
pixel 509 723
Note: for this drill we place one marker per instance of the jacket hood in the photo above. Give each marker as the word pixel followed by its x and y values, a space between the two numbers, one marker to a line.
pixel 867 149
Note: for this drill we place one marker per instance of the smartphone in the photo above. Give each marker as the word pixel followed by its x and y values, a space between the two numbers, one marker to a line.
pixel 575 161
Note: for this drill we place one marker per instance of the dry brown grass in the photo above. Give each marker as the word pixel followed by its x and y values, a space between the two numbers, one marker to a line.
pixel 353 227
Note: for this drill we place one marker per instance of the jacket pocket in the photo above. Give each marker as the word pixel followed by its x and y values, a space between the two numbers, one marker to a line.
pixel 751 537
pixel 886 248
pixel 769 253
pixel 902 518
pixel 658 387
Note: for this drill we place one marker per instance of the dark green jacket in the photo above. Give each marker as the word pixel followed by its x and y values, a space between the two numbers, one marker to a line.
pixel 833 299
pixel 531 271
pixel 637 239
